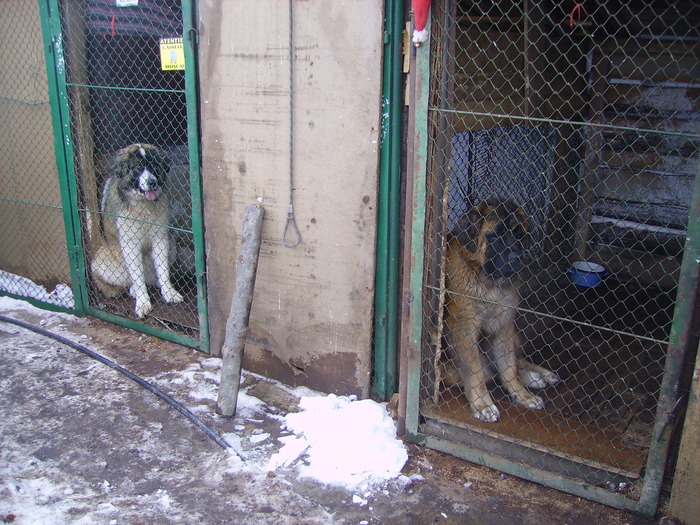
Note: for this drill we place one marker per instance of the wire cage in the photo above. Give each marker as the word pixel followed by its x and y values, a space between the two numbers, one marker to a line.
pixel 560 154
pixel 103 216
pixel 126 101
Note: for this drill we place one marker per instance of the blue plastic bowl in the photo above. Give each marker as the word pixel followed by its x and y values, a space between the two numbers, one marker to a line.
pixel 588 274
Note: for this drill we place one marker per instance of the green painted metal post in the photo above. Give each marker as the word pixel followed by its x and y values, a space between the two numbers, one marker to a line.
pixel 191 40
pixel 388 207
pixel 679 339
pixel 63 146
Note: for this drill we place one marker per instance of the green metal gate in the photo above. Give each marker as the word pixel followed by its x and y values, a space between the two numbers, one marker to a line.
pixel 124 74
pixel 584 116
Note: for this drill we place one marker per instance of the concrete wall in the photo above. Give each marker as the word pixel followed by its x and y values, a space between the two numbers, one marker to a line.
pixel 312 311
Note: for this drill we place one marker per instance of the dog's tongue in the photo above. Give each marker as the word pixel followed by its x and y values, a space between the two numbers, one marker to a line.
pixel 150 195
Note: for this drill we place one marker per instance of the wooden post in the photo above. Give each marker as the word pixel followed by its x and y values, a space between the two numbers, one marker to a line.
pixel 83 139
pixel 600 67
pixel 237 323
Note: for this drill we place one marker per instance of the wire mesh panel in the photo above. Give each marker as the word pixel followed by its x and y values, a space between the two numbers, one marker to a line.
pixel 33 259
pixel 561 157
pixel 126 105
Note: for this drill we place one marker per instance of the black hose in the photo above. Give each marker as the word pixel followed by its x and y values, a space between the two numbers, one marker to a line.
pixel 142 382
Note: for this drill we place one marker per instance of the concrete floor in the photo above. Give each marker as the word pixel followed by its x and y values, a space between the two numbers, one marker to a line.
pixel 84 444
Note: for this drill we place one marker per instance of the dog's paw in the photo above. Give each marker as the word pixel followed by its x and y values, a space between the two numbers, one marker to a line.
pixel 142 308
pixel 528 401
pixel 170 295
pixel 532 379
pixel 538 380
pixel 143 301
pixel 551 377
pixel 488 414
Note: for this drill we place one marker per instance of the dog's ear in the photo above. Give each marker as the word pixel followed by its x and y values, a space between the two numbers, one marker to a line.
pixel 120 166
pixel 516 221
pixel 163 163
pixel 468 228
pixel 158 163
pixel 527 237
pixel 523 219
pixel 524 223
pixel 519 221
pixel 124 161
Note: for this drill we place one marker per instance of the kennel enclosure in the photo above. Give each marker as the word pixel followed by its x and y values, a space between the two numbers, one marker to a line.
pixel 585 115
pixel 123 73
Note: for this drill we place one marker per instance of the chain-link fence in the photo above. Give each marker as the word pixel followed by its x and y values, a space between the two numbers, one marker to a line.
pixel 125 133
pixel 562 151
pixel 126 97
pixel 33 259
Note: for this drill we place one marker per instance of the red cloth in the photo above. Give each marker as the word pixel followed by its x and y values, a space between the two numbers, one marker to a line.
pixel 421 8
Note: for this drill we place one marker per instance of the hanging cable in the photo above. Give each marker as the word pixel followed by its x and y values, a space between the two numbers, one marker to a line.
pixel 291 221
pixel 139 380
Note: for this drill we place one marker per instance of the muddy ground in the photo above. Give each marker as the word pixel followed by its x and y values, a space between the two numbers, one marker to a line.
pixel 84 444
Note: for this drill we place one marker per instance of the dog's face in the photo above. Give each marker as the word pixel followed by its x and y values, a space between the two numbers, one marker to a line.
pixel 496 232
pixel 142 170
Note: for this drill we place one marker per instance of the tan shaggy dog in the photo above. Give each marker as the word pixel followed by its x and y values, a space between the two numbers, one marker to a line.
pixel 135 250
pixel 483 260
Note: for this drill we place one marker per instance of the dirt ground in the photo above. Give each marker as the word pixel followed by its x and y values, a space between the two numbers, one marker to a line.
pixel 84 444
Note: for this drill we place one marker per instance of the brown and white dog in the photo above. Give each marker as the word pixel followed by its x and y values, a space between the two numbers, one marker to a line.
pixel 135 250
pixel 483 260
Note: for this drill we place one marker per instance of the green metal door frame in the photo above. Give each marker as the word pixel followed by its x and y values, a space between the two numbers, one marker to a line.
pixel 65 157
pixel 63 145
pixel 412 329
pixel 191 39
pixel 386 288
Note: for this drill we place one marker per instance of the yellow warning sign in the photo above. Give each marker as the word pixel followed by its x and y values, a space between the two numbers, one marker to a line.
pixel 172 54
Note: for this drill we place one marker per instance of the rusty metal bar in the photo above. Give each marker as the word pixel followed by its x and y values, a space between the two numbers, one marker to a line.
pixel 412 307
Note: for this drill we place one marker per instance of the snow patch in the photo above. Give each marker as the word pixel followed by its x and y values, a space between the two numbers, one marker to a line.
pixel 62 295
pixel 345 442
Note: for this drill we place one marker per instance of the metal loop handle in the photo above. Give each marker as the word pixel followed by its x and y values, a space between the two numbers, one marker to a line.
pixel 291 221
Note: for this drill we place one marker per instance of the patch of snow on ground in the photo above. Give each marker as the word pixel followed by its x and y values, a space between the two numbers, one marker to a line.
pixel 347 442
pixel 39 496
pixel 62 295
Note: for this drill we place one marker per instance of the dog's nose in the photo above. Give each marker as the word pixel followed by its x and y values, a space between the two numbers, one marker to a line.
pixel 149 180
